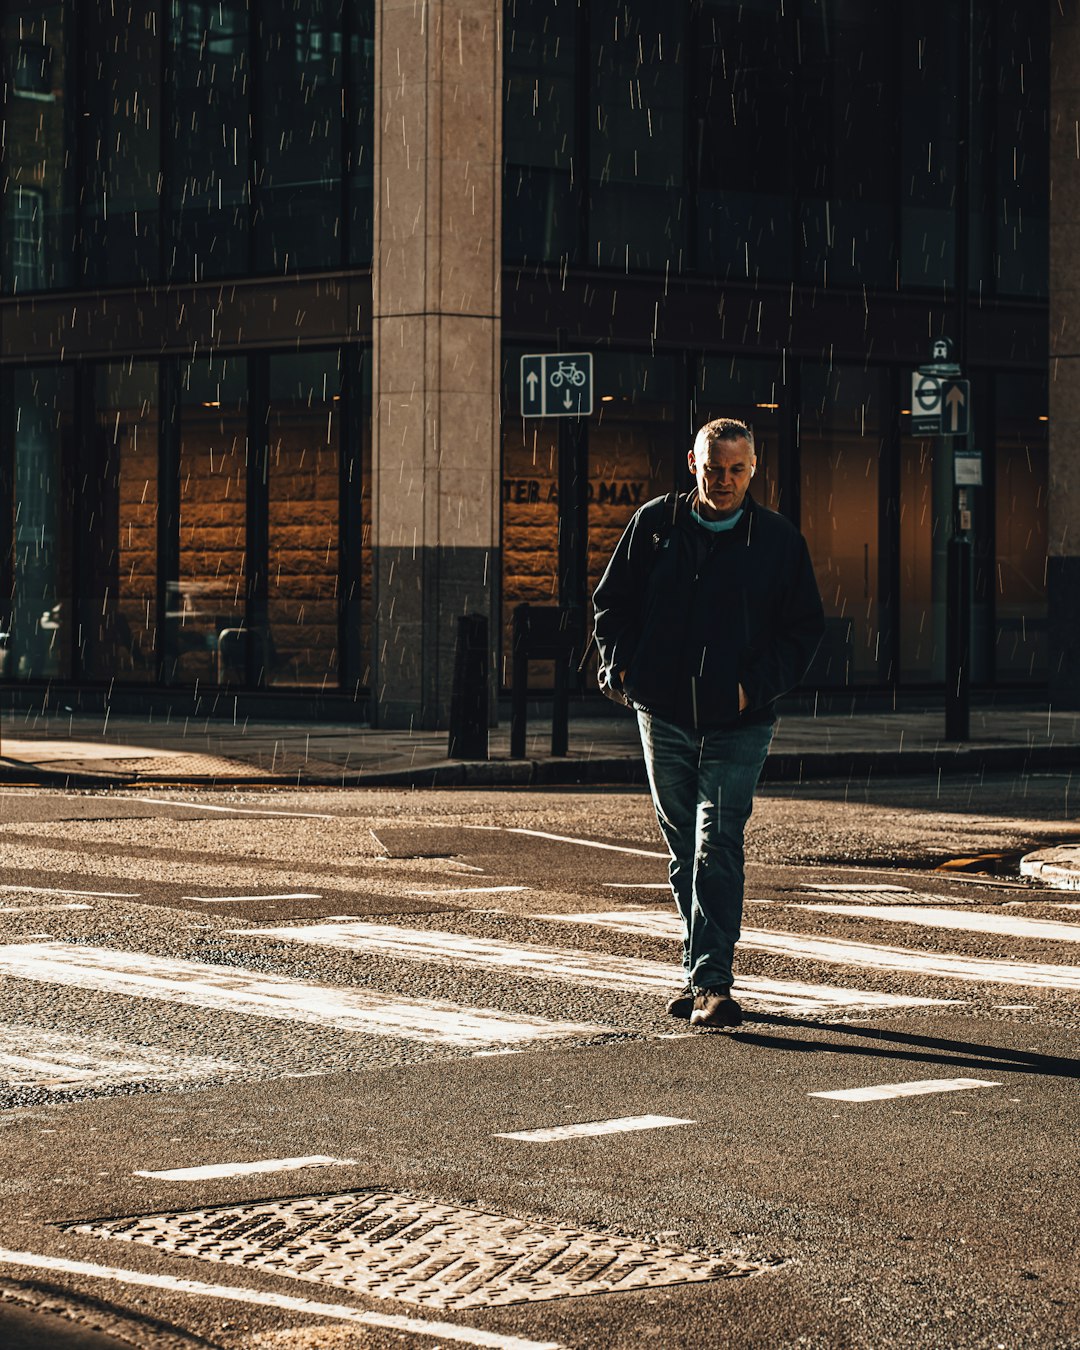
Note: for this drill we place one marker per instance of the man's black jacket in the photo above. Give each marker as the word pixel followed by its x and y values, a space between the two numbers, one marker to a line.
pixel 690 614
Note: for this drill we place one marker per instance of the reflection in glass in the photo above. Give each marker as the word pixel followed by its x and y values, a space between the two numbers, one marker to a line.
pixel 1020 527
pixel 302 600
pixel 208 166
pixel 637 218
pixel 206 602
pixel 926 489
pixel 360 99
pixel 123 124
pixel 38 200
pixel 118 583
pixel 742 141
pixel 540 204
pixel 39 644
pixel 298 182
pixel 838 494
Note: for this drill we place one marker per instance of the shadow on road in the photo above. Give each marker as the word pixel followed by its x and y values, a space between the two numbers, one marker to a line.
pixel 903 1046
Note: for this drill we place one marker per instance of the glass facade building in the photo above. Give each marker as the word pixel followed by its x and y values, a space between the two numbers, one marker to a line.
pixel 762 209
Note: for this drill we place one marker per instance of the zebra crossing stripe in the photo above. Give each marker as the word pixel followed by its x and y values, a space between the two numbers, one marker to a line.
pixel 63 1059
pixel 588 969
pixel 254 993
pixel 917 1089
pixel 837 951
pixel 1005 925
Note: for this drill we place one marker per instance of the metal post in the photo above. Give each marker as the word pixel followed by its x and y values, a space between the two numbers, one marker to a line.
pixel 469 695
pixel 958 575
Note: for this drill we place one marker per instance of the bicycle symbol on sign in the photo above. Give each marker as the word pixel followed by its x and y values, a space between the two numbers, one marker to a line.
pixel 566 370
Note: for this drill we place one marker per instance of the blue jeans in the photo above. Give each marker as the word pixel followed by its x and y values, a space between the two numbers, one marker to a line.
pixel 702 787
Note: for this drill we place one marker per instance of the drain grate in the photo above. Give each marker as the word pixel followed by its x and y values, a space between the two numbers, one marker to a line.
pixel 389 1245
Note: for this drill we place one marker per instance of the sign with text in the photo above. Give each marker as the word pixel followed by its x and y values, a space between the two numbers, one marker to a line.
pixel 557 384
pixel 939 407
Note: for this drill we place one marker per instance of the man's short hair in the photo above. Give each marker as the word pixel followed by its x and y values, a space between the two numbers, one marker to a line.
pixel 722 429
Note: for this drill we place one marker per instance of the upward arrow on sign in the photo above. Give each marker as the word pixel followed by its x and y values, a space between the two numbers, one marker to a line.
pixel 955 400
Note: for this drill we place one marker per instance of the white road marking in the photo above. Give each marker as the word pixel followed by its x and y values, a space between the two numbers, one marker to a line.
pixel 256 993
pixel 638 885
pixel 41 909
pixel 230 899
pixel 60 1059
pixel 66 890
pixel 569 839
pixel 1008 925
pixel 831 886
pixel 916 1089
pixel 468 890
pixel 588 969
pixel 232 810
pixel 449 1331
pixel 215 1170
pixel 589 1127
pixel 836 951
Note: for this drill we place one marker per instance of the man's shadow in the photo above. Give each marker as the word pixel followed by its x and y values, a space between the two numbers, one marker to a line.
pixel 904 1046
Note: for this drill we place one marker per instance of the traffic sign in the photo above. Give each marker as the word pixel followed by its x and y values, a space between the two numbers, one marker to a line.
pixel 557 384
pixel 925 404
pixel 939 407
pixel 955 400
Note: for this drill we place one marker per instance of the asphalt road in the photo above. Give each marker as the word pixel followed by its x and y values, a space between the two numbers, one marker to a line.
pixel 274 1064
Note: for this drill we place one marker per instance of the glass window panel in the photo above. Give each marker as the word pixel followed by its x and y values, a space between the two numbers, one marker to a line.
pixel 742 140
pixel 39 646
pixel 361 99
pixel 210 66
pixel 845 173
pixel 1022 145
pixel 122 105
pixel 750 390
pixel 298 173
pixel 541 206
pixel 930 70
pixel 302 592
pixel 206 603
pixel 118 590
pixel 637 219
pixel 839 453
pixel 1020 523
pixel 631 447
pixel 926 489
pixel 38 201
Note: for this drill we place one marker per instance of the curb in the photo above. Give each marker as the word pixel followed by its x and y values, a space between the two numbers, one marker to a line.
pixel 615 770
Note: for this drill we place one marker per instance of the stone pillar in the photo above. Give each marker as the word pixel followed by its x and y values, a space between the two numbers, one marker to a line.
pixel 1063 563
pixel 436 337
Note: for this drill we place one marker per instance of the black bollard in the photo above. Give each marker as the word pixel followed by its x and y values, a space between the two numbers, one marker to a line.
pixel 469 696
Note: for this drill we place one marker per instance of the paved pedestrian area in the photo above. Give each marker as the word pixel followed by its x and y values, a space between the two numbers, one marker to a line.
pixel 212 751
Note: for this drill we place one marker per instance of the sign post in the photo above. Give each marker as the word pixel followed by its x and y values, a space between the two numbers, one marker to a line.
pixel 560 384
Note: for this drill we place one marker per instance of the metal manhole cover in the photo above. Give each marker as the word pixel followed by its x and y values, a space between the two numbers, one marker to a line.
pixel 389 1245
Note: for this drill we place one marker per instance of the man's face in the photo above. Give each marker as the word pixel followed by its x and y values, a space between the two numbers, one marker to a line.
pixel 723 472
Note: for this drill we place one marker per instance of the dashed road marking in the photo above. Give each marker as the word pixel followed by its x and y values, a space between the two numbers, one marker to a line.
pixel 623 1125
pixel 837 951
pixel 237 899
pixel 587 969
pixel 215 1170
pixel 1007 925
pixel 42 909
pixel 449 1331
pixel 67 890
pixel 228 810
pixel 468 890
pixel 919 1088
pixel 256 993
pixel 571 839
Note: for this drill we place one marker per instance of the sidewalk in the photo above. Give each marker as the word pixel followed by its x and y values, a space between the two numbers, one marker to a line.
pixel 62 750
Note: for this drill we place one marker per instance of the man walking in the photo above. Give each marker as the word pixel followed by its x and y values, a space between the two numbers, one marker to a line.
pixel 706 614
